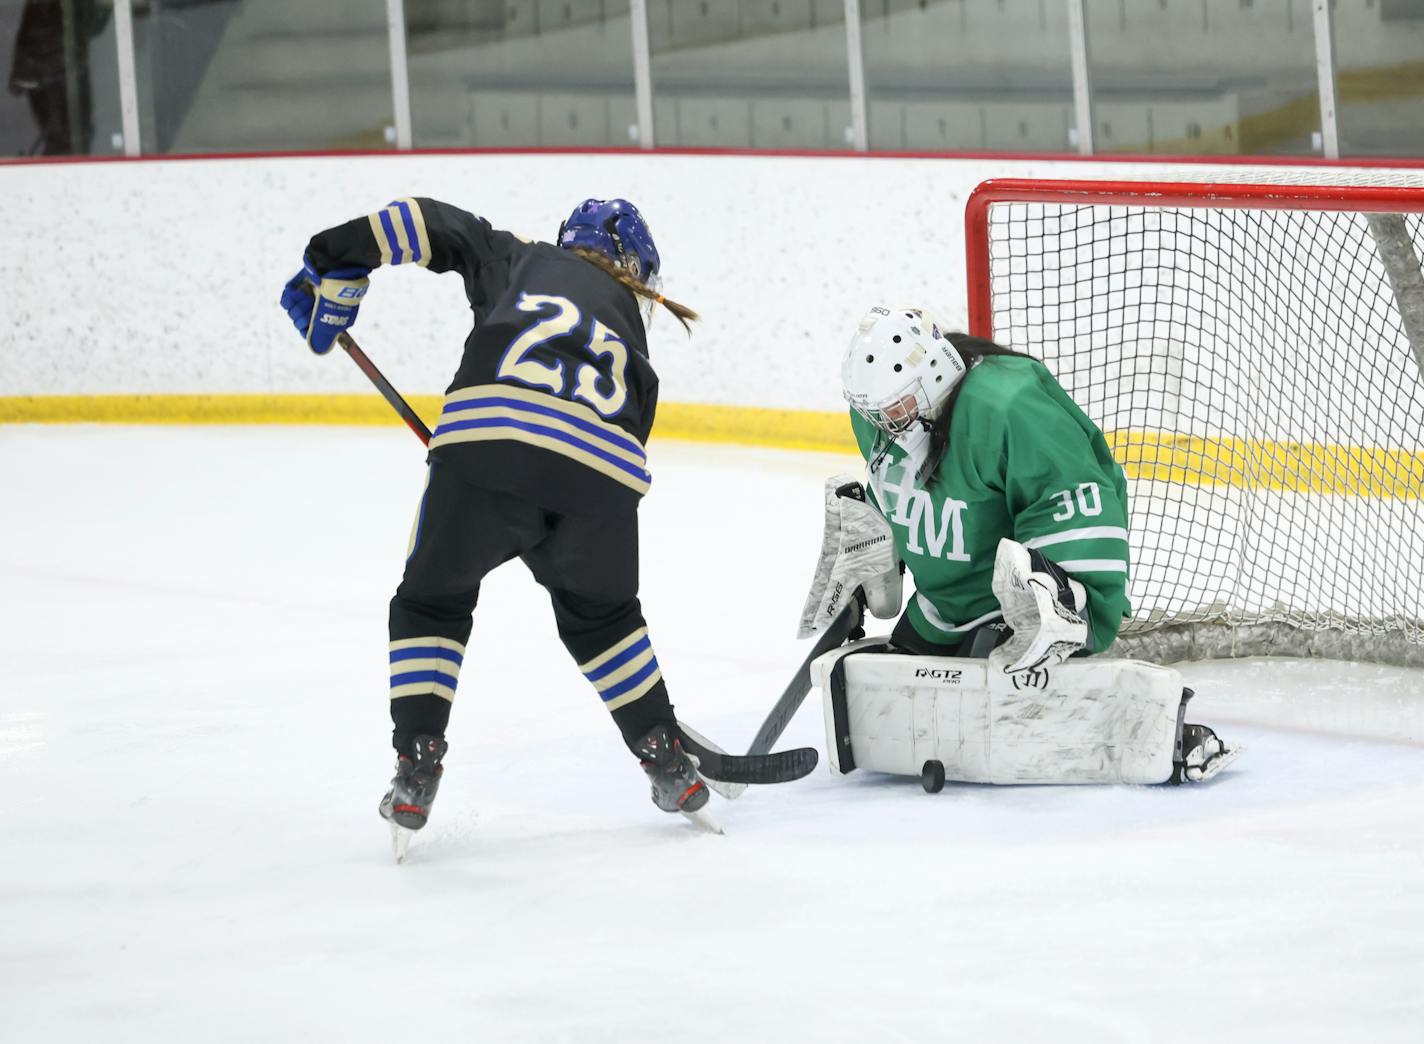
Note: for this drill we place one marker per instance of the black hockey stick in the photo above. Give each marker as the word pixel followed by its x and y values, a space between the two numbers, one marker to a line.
pixel 716 765
pixel 782 766
pixel 385 387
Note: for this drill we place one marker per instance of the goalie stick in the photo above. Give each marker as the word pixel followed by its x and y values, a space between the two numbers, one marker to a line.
pixel 841 629
pixel 845 627
pixel 728 772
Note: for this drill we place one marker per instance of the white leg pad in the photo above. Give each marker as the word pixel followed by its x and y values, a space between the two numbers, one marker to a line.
pixel 1084 721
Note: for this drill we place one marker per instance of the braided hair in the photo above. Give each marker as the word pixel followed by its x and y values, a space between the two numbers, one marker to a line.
pixel 604 263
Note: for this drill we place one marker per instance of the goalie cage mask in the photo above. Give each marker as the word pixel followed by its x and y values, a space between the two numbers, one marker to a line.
pixel 899 369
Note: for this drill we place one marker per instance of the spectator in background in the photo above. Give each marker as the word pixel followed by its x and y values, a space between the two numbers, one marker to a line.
pixel 51 70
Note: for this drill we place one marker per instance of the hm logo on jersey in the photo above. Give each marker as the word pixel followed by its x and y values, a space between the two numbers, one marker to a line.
pixel 942 530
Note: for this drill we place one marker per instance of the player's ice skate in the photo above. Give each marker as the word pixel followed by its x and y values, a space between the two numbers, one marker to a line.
pixel 406 805
pixel 676 785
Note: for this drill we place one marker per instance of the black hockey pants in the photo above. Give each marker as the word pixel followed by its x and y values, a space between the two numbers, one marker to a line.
pixel 588 564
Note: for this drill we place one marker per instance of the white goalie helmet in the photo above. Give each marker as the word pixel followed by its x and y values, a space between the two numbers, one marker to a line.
pixel 900 368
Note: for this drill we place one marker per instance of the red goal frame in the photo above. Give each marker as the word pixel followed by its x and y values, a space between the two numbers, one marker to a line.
pixel 1221 628
pixel 1367 199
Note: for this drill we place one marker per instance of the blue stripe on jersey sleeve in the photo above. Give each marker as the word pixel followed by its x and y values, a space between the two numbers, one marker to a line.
pixel 397 254
pixel 409 221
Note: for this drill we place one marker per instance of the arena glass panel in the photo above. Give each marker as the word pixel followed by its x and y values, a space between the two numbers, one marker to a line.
pixel 61 94
pixel 520 73
pixel 958 75
pixel 259 75
pixel 1379 51
pixel 754 74
pixel 1204 77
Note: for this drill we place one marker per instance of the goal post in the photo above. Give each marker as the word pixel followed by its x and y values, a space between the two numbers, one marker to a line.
pixel 1253 354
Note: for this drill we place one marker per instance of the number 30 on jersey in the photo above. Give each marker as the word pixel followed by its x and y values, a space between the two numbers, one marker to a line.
pixel 1090 502
pixel 605 390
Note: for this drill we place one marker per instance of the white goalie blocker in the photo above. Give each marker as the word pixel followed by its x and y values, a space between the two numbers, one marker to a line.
pixel 1084 721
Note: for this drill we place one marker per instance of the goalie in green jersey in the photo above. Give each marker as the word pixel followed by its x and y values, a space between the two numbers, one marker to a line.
pixel 993 488
pixel 1002 497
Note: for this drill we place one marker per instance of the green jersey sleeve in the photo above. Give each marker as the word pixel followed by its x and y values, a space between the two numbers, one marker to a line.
pixel 1068 497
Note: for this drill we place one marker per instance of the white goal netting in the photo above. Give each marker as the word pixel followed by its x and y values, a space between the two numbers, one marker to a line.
pixel 1255 362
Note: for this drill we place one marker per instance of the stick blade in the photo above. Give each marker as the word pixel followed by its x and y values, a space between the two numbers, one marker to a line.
pixel 730 791
pixel 782 766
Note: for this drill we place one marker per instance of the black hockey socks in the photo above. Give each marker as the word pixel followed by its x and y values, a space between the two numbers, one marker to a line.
pixel 413 716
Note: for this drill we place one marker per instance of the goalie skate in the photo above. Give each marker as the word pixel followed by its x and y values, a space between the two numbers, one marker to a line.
pixel 1201 755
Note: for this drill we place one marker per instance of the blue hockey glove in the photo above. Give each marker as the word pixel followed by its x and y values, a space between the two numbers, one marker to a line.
pixel 321 307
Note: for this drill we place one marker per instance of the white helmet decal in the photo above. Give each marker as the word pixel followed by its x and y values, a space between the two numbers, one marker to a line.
pixel 900 368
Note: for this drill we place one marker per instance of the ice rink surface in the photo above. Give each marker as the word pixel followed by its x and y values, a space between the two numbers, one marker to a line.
pixel 194 737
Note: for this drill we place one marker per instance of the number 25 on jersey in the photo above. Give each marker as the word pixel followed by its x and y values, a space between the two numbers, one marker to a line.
pixel 604 387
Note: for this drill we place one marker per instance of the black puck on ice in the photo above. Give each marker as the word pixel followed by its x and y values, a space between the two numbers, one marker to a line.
pixel 932 777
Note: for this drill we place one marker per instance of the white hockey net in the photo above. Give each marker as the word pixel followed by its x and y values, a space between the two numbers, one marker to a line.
pixel 1254 356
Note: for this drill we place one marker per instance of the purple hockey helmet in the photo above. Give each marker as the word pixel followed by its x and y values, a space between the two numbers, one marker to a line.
pixel 614 228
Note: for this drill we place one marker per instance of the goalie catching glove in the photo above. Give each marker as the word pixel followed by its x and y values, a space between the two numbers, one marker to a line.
pixel 1043 605
pixel 857 550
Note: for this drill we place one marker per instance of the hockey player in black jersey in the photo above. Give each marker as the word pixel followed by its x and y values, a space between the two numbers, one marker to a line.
pixel 538 455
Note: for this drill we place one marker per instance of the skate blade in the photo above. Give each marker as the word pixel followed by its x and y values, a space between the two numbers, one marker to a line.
pixel 704 821
pixel 400 841
pixel 1216 764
